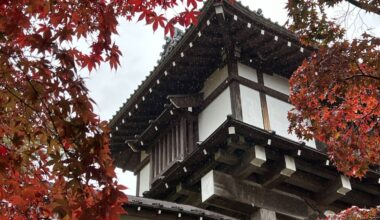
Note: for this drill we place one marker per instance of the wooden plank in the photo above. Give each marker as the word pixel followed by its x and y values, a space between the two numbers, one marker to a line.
pixel 218 187
pixel 335 190
pixel 161 157
pixel 164 151
pixel 190 133
pixel 156 165
pixel 173 138
pixel 169 147
pixel 152 168
pixel 282 171
pixel 177 140
pixel 183 137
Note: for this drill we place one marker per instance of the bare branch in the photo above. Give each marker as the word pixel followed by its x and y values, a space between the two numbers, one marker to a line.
pixel 365 6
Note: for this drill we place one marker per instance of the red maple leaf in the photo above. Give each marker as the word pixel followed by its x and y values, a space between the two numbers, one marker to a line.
pixel 3 150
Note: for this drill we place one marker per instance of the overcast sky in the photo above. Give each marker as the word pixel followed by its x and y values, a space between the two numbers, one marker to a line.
pixel 141 48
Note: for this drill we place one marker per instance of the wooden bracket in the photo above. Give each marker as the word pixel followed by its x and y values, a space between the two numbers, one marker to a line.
pixel 335 190
pixel 285 169
pixel 252 162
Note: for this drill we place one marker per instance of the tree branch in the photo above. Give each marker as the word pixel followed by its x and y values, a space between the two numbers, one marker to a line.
pixel 362 75
pixel 364 6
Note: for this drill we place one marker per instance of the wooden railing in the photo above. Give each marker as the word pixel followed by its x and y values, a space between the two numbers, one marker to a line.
pixel 173 145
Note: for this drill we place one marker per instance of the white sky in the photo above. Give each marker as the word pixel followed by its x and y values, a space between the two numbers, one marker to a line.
pixel 141 48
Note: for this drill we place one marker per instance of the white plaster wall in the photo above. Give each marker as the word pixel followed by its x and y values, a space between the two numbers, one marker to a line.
pixel 278 113
pixel 214 114
pixel 277 82
pixel 143 155
pixel 251 107
pixel 247 72
pixel 214 80
pixel 144 179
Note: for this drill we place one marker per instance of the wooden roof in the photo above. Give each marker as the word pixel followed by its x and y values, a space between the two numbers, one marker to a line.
pixel 311 180
pixel 157 209
pixel 263 45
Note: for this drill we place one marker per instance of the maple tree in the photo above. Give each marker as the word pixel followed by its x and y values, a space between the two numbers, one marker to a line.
pixel 336 91
pixel 54 151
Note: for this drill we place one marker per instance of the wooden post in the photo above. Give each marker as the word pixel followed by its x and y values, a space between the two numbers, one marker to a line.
pixel 263 102
pixel 232 54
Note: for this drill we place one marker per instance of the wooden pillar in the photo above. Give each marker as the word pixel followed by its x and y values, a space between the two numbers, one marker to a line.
pixel 138 184
pixel 263 214
pixel 263 102
pixel 232 67
pixel 231 54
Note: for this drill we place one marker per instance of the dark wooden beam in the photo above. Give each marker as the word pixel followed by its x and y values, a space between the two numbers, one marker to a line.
pixel 262 88
pixel 282 46
pixel 236 142
pixel 336 189
pixel 259 41
pixel 185 101
pixel 252 162
pixel 224 157
pixel 232 54
pixel 306 181
pixel 315 169
pixel 196 177
pixel 198 60
pixel 369 188
pixel 220 188
pixel 243 36
pixel 283 170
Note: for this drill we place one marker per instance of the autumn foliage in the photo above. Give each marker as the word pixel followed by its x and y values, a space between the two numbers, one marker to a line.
pixel 54 151
pixel 336 91
pixel 337 99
